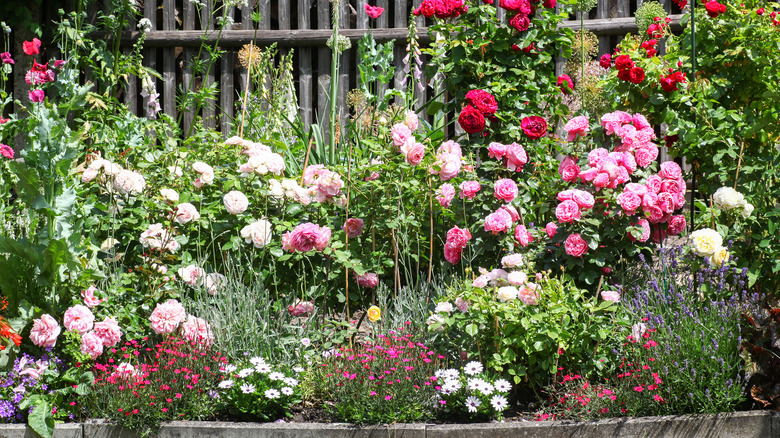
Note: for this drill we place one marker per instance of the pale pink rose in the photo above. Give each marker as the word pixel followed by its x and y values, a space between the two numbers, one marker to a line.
pixel 653 183
pixel 300 308
pixel 505 189
pixel 169 195
pixel 629 202
pixel 235 140
pixel 235 202
pixel 89 297
pixel 523 237
pixel 411 121
pixel 45 331
pixel 646 155
pixel 186 213
pixel 565 195
pixel 575 245
pixel 610 295
pixel 512 261
pixel 167 316
pixel 462 305
pixel 330 184
pixel 449 147
pixel 601 180
pixel 89 175
pixel 415 154
pixel 516 278
pixel 201 167
pixel 108 331
pixel 312 173
pixel 257 233
pixel 322 239
pixel 91 345
pixel 498 276
pixel 450 167
pixel 214 282
pixel 469 189
pixel 254 149
pixel 665 202
pixel 583 199
pixel 401 135
pixel 498 222
pixel 577 126
pixel 369 280
pixel 452 253
pixel 551 229
pixel 567 211
pixel 198 331
pixel 156 237
pixel 596 155
pixel 481 281
pixel 588 175
pixel 129 183
pixel 645 226
pixel 445 194
pixel 512 212
pixel 568 169
pixel 676 225
pixel 275 163
pixel 353 227
pixel 79 319
pixel 516 157
pixel 528 294
pixel 496 150
pixel 670 170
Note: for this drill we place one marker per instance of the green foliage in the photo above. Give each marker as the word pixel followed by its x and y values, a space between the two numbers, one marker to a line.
pixel 646 14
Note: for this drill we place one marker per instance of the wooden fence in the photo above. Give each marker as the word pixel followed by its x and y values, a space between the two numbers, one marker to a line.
pixel 178 28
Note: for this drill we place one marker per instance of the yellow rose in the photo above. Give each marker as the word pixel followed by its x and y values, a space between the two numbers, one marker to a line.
pixel 719 257
pixel 374 313
pixel 706 241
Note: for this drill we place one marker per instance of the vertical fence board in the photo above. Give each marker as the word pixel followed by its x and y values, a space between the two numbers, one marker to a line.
pixel 622 9
pixel 344 65
pixel 399 51
pixel 209 106
pixel 305 96
pixel 188 23
pixel 226 86
pixel 602 11
pixel 323 66
pixel 150 55
pixel 169 61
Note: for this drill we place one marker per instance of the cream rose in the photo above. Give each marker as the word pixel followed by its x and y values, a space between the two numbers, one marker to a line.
pixel 235 202
pixel 706 241
pixel 726 198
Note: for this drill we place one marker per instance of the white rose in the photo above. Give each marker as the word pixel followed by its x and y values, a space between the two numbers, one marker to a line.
pixel 175 171
pixel 275 189
pixel 201 167
pixel 435 322
pixel 747 210
pixel 706 241
pixel 516 278
pixel 235 202
pixel 111 168
pixel 97 163
pixel 275 163
pixel 129 183
pixel 507 293
pixel 257 233
pixel 726 198
pixel 169 195
pixel 720 256
pixel 444 306
pixel 191 274
pixel 186 213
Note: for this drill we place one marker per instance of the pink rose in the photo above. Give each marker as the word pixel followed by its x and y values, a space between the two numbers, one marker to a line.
pixel 197 331
pixel 312 173
pixel 445 194
pixel 329 184
pixel 167 316
pixel 469 189
pixel 498 222
pixel 665 202
pixel 528 294
pixel 411 120
pixel 306 237
pixel 567 211
pixel 45 331
pixel 670 186
pixel 79 319
pixel 649 200
pixel 566 195
pixel 646 155
pixel 645 226
pixel 670 170
pixel 639 189
pixel 450 167
pixel 640 122
pixel 596 155
pixel 516 278
pixel 512 261
pixel 186 213
pixel 583 199
pixel 610 295
pixel 401 135
pixel 91 345
pixel 235 202
pixel 108 331
pixel 462 305
pixel 353 227
pixel 516 157
pixel 496 150
pixel 578 126
pixel 458 237
pixel 551 229
pixel 589 174
pixel 481 281
pixel 300 308
pixel 505 190
pixel 415 154
pixel 449 147
pixel 191 274
pixel 653 183
pixel 452 254
pixel 369 280
pixel 568 169
pixel 676 225
pixel 628 162
pixel 601 180
pixel 656 215
pixel 89 297
pixel 575 245
pixel 629 202
pixel 523 236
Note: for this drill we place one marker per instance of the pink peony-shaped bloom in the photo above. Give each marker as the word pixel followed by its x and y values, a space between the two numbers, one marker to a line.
pixel 601 180
pixel 91 345
pixel 629 201
pixel 89 297
pixel 676 225
pixel 649 200
pixel 551 229
pixel 481 281
pixel 671 186
pixel 646 154
pixel 523 236
pixel 578 126
pixel 575 245
pixel 452 254
pixel 516 157
pixel 513 213
pixel 610 295
pixel 639 189
pixel 79 319
pixel 505 189
pixel 596 155
pixel 528 294
pixel 628 162
pixel 665 202
pixel 306 237
pixel 167 316
pixel 567 211
pixel 198 331
pixel 8 153
pixel 670 170
pixel 645 226
pixel 235 202
pixel 653 184
pixel 401 135
pixel 498 222
pixel 445 194
pixel 108 331
pixel 186 213
pixel 312 173
pixel 300 308
pixel 583 199
pixel 458 237
pixel 469 189
pixel 588 175
pixel 640 122
pixel 496 150
pixel 36 96
pixel 353 227
pixel 415 154
pixel 565 195
pixel 568 169
pixel 450 167
pixel 369 280
pixel 512 261
pixel 462 305
pixel 45 331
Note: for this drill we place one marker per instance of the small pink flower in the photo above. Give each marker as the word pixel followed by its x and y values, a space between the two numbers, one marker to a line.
pixel 369 280
pixel 445 194
pixel 89 297
pixel 6 151
pixel 469 189
pixel 610 295
pixel 353 227
pixel 36 96
pixel 505 190
pixel 551 229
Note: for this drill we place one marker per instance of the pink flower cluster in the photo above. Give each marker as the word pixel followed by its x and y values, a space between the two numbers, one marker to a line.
pixel 457 239
pixel 324 185
pixel 635 133
pixel 501 220
pixel 469 189
pixel 441 8
pixel 445 194
pixel 306 237
pixel 608 169
pixel 513 155
pixel 448 160
pixel 573 203
pixel 658 198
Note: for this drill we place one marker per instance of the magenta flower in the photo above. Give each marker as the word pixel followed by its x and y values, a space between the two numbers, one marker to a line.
pixel 5 57
pixel 36 96
pixel 374 11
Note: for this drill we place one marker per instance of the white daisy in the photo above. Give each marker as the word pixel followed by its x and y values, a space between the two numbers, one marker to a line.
pixel 474 384
pixel 225 384
pixel 287 390
pixel 257 360
pixel 451 374
pixel 263 368
pixel 228 368
pixel 472 403
pixel 439 374
pixel 272 393
pixel 247 388
pixel 276 376
pixel 449 387
pixel 499 402
pixel 486 388
pixel 289 381
pixel 246 372
pixel 502 385
pixel 306 342
pixel 473 368
pixel 298 369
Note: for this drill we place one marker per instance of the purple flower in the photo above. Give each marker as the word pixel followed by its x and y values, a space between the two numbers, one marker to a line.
pixel 6 58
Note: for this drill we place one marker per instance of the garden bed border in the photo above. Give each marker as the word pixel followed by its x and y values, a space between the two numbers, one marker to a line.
pixel 751 424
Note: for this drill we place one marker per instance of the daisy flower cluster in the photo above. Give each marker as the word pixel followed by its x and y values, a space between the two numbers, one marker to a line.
pixel 470 394
pixel 257 390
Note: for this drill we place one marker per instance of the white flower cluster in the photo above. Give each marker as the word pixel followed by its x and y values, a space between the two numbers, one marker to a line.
pixel 476 389
pixel 262 159
pixel 249 378
pixel 258 233
pixel 726 198
pixel 511 284
pixel 290 189
pixel 157 237
pixel 118 179
pixel 709 243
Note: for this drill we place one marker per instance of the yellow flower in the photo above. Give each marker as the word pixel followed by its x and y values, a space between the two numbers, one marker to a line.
pixel 374 313
pixel 719 257
pixel 706 241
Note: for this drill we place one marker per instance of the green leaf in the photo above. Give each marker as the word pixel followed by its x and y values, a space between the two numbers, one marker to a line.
pixel 40 419
pixel 472 329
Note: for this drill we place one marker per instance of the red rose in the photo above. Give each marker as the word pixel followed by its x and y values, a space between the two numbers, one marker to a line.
pixel 534 126
pixel 651 53
pixel 550 4
pixel 520 22
pixel 623 62
pixel 483 101
pixel 636 75
pixel 606 60
pixel 668 84
pixel 565 84
pixel 519 6
pixel 471 120
pixel 624 75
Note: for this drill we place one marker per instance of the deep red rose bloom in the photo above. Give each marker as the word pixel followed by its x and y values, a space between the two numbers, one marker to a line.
pixel 625 74
pixel 534 126
pixel 668 84
pixel 714 8
pixel 483 101
pixel 651 52
pixel 636 75
pixel 550 4
pixel 623 62
pixel 760 11
pixel 471 120
pixel 565 84
pixel 519 6
pixel 606 60
pixel 520 22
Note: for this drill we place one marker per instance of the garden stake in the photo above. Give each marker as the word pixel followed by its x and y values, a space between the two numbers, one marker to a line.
pixel 246 89
pixel 430 245
pixel 306 160
pixel 739 164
